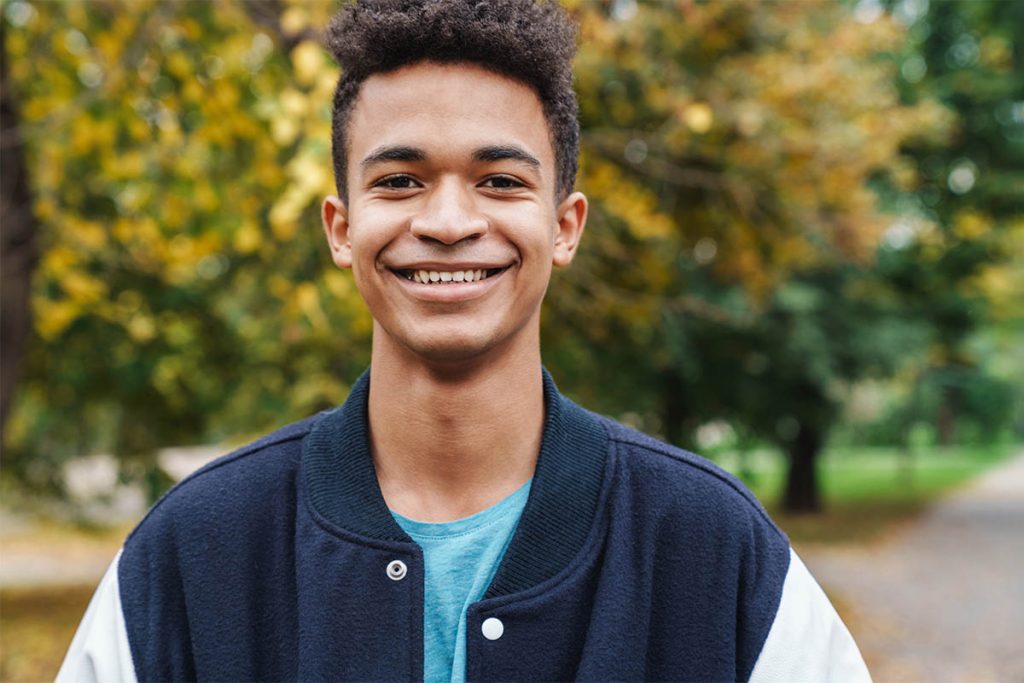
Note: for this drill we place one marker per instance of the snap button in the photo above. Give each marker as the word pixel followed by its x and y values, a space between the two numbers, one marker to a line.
pixel 492 628
pixel 397 570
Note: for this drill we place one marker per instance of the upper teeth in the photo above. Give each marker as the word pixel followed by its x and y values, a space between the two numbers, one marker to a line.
pixel 429 276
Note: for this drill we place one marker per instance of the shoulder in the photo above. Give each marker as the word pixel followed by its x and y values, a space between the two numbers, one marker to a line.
pixel 679 480
pixel 255 477
pixel 215 539
pixel 808 641
pixel 710 541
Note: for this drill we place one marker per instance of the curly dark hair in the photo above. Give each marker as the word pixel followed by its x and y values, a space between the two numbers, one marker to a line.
pixel 531 41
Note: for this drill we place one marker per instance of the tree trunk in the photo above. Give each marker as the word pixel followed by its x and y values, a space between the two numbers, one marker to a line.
pixel 18 239
pixel 674 409
pixel 802 494
pixel 945 421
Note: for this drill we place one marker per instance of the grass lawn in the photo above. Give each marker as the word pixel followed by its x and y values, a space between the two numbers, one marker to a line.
pixel 866 491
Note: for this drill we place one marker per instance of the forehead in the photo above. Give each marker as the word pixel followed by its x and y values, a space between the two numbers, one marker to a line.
pixel 448 110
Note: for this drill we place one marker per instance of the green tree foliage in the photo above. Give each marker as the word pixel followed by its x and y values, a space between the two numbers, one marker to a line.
pixel 731 149
pixel 733 153
pixel 178 155
pixel 964 226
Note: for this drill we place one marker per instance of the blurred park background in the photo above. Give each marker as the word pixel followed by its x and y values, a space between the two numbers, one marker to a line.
pixel 804 258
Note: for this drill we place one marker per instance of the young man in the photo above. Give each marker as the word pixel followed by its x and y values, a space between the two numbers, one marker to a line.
pixel 457 518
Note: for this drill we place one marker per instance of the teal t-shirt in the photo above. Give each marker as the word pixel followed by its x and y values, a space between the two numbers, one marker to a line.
pixel 460 559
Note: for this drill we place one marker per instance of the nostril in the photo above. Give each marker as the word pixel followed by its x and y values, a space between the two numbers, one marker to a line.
pixel 454 240
pixel 449 225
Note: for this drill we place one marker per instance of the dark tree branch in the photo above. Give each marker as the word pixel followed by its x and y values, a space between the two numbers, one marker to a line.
pixel 20 250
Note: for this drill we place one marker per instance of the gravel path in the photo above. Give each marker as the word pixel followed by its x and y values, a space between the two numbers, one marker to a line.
pixel 943 599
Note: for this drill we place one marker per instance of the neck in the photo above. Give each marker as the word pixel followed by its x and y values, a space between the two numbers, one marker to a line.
pixel 449 441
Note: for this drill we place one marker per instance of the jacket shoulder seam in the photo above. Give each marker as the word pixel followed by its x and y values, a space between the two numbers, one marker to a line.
pixel 669 452
pixel 231 457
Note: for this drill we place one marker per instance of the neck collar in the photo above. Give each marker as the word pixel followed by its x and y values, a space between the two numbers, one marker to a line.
pixel 343 489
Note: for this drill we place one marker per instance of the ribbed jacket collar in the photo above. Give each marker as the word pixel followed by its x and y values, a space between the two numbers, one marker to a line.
pixel 343 489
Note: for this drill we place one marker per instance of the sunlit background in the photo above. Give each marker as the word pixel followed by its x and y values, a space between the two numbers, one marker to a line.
pixel 804 261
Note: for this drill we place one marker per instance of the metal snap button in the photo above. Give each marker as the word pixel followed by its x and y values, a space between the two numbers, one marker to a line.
pixel 492 628
pixel 397 570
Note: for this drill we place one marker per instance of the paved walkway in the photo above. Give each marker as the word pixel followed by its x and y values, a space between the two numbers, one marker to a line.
pixel 942 600
pixel 34 556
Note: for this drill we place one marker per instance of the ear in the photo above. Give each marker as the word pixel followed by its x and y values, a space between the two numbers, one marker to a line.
pixel 572 216
pixel 335 218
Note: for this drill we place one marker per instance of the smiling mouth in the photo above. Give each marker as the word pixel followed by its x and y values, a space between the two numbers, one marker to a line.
pixel 449 277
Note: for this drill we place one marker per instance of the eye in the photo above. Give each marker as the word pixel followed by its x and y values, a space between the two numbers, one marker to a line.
pixel 399 181
pixel 502 182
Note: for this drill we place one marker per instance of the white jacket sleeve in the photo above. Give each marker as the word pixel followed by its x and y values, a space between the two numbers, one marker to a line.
pixel 808 642
pixel 100 652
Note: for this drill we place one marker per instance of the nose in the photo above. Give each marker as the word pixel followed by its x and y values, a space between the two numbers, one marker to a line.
pixel 450 214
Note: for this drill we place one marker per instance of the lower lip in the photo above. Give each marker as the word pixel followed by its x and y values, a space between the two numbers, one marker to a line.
pixel 450 292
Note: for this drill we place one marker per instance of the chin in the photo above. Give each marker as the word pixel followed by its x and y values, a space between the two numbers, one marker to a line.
pixel 454 342
pixel 449 351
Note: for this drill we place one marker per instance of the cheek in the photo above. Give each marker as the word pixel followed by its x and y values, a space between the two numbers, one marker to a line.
pixel 367 242
pixel 364 264
pixel 373 230
pixel 533 230
pixel 367 276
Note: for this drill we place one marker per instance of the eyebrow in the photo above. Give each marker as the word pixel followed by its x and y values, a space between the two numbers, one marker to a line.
pixel 506 152
pixel 487 154
pixel 393 153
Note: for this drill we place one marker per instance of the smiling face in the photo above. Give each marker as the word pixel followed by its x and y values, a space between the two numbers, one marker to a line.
pixel 451 225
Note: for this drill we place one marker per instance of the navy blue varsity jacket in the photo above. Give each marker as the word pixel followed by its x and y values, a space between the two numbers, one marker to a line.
pixel 633 560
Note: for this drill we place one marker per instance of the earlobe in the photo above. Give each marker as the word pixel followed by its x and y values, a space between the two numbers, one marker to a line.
pixel 334 214
pixel 572 217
